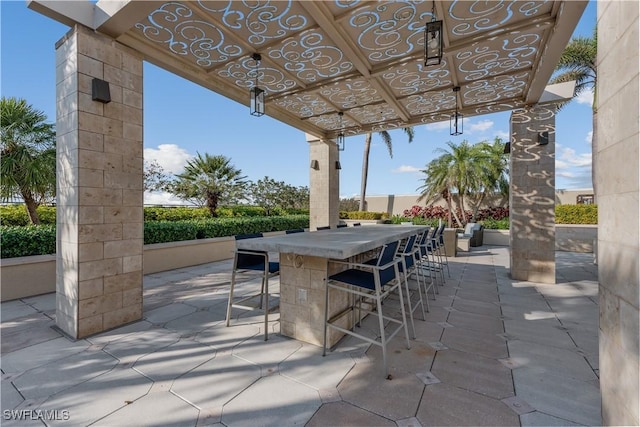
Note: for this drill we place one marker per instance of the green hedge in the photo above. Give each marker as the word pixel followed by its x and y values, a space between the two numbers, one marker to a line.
pixel 17 215
pixel 495 224
pixel 363 215
pixel 41 239
pixel 576 214
pixel 28 240
pixel 172 231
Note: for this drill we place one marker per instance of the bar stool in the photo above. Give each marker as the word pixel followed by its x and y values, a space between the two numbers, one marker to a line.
pixel 247 260
pixel 369 282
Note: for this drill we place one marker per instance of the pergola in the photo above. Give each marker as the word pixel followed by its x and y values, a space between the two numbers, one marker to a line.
pixel 364 59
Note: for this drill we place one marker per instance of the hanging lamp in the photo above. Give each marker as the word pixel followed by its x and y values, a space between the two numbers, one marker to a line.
pixel 433 40
pixel 256 93
pixel 340 138
pixel 456 119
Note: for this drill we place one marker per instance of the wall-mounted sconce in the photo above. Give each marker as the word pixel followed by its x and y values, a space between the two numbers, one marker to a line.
pixel 338 165
pixel 543 138
pixel 314 165
pixel 100 91
pixel 507 148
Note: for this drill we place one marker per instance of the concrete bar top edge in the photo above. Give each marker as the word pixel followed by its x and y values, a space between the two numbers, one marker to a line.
pixel 338 243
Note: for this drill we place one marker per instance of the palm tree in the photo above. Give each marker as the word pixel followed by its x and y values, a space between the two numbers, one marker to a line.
pixel 494 171
pixel 28 155
pixel 386 137
pixel 472 171
pixel 208 180
pixel 578 62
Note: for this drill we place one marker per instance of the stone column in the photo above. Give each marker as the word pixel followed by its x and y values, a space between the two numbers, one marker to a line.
pixel 324 183
pixel 99 184
pixel 618 184
pixel 532 194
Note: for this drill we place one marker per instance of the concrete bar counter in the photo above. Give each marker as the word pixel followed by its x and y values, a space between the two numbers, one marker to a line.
pixel 305 266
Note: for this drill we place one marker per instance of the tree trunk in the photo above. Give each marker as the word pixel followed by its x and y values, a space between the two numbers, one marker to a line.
pixel 31 206
pixel 594 156
pixel 212 203
pixel 365 170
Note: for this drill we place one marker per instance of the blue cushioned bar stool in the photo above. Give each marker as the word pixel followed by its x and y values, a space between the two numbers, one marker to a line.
pixel 430 258
pixel 442 249
pixel 371 283
pixel 409 266
pixel 246 260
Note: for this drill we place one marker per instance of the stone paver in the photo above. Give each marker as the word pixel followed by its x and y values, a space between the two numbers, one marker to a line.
pixel 292 404
pixel 559 396
pixel 446 405
pixel 344 414
pixel 492 351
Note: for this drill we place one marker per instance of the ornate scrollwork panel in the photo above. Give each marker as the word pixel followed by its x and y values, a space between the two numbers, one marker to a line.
pixel 311 57
pixel 305 105
pixel 262 20
pixel 373 113
pixel 389 29
pixel 469 18
pixel 430 102
pixel 175 25
pixel 500 87
pixel 351 93
pixel 414 77
pixel 243 73
pixel 517 51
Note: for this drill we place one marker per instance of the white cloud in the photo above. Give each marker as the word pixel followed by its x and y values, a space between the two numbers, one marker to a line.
pixel 438 126
pixel 503 135
pixel 589 137
pixel 586 97
pixel 171 157
pixel 569 158
pixel 406 169
pixel 481 126
pixel 162 198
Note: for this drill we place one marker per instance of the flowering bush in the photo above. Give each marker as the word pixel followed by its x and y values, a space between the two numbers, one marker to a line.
pixel 439 212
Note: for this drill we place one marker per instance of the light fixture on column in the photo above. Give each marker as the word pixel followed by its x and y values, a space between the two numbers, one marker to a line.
pixel 314 165
pixel 338 165
pixel 340 138
pixel 256 93
pixel 456 119
pixel 543 138
pixel 433 40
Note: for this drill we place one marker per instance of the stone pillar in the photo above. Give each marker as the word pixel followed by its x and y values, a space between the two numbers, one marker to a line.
pixel 99 185
pixel 324 183
pixel 617 183
pixel 532 194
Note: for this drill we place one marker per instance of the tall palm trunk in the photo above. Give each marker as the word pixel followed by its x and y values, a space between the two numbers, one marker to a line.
pixel 31 206
pixel 594 155
pixel 365 170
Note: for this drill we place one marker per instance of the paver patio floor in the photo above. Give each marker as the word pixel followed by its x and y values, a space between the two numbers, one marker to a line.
pixel 492 351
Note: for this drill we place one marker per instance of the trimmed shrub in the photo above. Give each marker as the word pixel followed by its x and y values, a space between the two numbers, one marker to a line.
pixel 178 213
pixel 28 240
pixel 363 215
pixel 17 215
pixel 173 231
pixel 495 224
pixel 576 214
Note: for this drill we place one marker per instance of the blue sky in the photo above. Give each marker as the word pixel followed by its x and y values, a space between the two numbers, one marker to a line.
pixel 181 118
